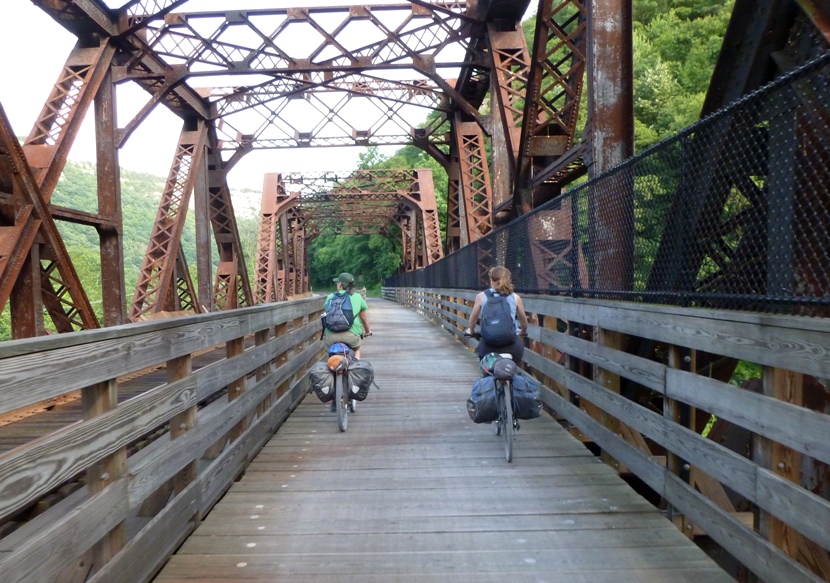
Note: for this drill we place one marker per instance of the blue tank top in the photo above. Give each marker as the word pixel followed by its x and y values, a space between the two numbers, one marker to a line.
pixel 511 301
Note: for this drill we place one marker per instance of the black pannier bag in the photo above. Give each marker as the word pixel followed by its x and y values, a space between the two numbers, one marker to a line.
pixel 481 406
pixel 361 375
pixel 526 401
pixel 322 381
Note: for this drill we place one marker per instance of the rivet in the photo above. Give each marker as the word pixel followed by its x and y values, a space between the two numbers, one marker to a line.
pixel 687 359
pixel 781 465
pixel 686 467
pixel 688 527
pixel 182 426
pixel 105 476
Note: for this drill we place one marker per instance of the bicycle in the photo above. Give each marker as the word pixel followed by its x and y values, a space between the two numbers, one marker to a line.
pixel 339 366
pixel 504 370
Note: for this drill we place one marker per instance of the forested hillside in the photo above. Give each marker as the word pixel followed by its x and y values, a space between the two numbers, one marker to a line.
pixel 676 43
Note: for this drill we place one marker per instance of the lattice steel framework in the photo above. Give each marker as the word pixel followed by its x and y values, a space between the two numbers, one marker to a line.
pixel 324 203
pixel 370 69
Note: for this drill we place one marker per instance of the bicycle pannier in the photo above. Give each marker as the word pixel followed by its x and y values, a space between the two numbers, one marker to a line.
pixel 361 375
pixel 481 406
pixel 339 313
pixel 497 326
pixel 322 381
pixel 526 401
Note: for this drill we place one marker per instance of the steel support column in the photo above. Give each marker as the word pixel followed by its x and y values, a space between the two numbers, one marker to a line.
pixel 611 112
pixel 158 281
pixel 476 191
pixel 113 292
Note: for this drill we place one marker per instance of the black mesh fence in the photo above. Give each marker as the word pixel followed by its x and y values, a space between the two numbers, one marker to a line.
pixel 733 212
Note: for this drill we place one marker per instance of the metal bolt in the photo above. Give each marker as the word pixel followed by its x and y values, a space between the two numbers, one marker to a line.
pixel 238 389
pixel 781 465
pixel 105 476
pixel 182 426
pixel 686 467
pixel 688 527
pixel 687 359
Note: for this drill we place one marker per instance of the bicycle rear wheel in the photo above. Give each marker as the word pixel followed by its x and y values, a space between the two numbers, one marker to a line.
pixel 506 415
pixel 342 399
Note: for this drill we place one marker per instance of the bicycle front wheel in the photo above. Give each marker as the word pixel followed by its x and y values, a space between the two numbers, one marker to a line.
pixel 342 399
pixel 506 415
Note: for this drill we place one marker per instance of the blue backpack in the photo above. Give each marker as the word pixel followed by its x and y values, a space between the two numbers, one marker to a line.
pixel 497 326
pixel 339 315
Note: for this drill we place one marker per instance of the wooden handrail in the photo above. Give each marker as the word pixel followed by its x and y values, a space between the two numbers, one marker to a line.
pixel 161 485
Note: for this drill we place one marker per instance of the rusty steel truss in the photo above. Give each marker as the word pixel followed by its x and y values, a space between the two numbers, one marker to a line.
pixel 413 73
pixel 299 207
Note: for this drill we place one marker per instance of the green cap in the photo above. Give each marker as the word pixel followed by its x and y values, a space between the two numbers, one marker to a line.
pixel 344 278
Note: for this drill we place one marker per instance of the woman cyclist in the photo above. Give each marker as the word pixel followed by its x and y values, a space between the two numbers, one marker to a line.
pixel 501 285
pixel 353 337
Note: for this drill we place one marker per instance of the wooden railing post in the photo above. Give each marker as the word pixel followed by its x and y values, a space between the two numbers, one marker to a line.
pixel 233 348
pixel 98 399
pixel 177 369
pixel 281 359
pixel 679 359
pixel 261 338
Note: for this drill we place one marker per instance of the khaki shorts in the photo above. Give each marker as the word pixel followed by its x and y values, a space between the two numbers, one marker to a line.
pixel 350 339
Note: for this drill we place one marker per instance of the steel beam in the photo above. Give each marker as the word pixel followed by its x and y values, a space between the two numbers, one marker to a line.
pixel 611 110
pixel 47 270
pixel 157 279
pixel 113 292
pixel 476 191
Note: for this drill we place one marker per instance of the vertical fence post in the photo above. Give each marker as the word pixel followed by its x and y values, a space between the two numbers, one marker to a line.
pixel 98 399
pixel 177 369
pixel 233 348
pixel 281 359
pixel 673 412
pixel 260 338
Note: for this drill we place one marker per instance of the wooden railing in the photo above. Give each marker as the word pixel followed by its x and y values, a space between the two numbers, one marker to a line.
pixel 663 432
pixel 136 506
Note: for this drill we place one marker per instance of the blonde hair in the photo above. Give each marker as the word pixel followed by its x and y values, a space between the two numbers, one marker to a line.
pixel 502 283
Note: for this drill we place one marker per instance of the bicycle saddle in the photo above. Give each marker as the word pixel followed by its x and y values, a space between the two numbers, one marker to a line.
pixel 505 369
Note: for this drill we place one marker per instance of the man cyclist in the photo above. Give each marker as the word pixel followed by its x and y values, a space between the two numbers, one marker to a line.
pixel 353 337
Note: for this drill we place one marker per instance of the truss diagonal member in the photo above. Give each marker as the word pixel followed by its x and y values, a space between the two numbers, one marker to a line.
pixel 422 193
pixel 51 138
pixel 225 230
pixel 32 216
pixel 136 14
pixel 154 289
pixel 555 82
pixel 186 297
pixel 265 279
pixel 476 190
pixel 511 64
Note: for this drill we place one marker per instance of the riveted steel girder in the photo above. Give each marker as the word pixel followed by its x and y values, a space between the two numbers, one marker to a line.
pixel 357 202
pixel 25 216
pixel 476 191
pixel 157 278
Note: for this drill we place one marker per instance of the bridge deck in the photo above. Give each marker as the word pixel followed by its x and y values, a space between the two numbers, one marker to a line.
pixel 416 492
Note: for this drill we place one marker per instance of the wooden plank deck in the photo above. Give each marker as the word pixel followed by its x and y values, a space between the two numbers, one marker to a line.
pixel 415 492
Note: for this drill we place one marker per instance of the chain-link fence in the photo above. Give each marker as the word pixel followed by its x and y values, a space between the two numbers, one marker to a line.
pixel 733 212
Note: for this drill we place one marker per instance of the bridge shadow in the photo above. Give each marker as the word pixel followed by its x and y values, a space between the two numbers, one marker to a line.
pixel 416 492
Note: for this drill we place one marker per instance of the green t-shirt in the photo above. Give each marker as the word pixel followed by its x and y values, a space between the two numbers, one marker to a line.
pixel 358 305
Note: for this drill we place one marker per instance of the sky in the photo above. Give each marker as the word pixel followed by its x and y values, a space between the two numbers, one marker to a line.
pixel 30 66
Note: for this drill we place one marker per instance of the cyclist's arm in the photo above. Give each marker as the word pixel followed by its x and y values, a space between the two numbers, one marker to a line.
pixel 365 322
pixel 471 325
pixel 521 315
